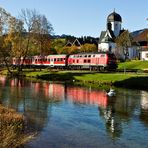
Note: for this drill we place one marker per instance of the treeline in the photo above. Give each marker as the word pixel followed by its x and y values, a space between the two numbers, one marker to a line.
pixel 66 44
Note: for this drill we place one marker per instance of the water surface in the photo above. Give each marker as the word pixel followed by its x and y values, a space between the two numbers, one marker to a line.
pixel 70 116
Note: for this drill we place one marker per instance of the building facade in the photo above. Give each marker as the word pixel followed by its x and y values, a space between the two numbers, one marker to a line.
pixel 107 38
pixel 113 30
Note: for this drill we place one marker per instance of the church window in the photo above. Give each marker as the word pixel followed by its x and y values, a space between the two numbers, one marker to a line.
pixel 146 55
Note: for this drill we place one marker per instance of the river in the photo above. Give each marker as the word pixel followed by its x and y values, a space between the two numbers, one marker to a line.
pixel 78 117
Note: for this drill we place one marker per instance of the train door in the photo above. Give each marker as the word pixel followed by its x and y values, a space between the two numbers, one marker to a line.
pixel 52 62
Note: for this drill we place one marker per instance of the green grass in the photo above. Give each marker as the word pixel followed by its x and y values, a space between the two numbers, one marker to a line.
pixel 134 80
pixel 104 77
pixel 138 65
pixel 129 80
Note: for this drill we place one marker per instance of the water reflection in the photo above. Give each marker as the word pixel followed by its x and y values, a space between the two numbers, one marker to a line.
pixel 144 107
pixel 87 96
pixel 37 100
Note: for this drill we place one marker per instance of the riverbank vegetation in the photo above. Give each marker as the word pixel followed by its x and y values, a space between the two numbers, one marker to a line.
pixel 135 80
pixel 12 127
pixel 138 78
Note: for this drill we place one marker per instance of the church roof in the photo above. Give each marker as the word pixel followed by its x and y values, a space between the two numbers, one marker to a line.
pixel 114 17
pixel 105 38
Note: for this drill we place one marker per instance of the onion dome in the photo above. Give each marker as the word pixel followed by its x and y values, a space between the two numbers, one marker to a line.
pixel 114 17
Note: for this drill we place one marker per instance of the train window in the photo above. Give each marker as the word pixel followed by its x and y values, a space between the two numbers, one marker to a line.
pixel 102 55
pixel 88 61
pixel 55 60
pixel 80 56
pixel 48 60
pixel 77 61
pixel 93 55
pixel 89 56
pixel 73 61
pixel 85 61
pixel 85 56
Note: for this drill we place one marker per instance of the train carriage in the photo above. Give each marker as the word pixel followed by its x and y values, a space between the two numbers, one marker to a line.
pixel 37 60
pixel 94 61
pixel 57 60
pixel 27 61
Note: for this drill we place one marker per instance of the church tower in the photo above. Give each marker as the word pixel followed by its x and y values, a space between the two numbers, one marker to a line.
pixel 113 30
pixel 114 21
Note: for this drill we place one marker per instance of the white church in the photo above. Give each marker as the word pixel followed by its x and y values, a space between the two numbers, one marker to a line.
pixel 107 38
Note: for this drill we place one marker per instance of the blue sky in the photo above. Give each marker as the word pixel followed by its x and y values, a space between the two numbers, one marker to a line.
pixel 84 17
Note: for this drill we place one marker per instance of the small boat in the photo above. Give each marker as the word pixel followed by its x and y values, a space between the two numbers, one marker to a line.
pixel 111 93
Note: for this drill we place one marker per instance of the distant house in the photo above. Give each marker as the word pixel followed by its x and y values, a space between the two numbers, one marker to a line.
pixel 140 39
pixel 74 43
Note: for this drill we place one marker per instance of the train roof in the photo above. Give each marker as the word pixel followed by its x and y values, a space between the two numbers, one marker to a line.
pixel 92 53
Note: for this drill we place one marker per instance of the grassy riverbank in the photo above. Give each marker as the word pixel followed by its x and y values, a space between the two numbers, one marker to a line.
pixel 11 128
pixel 128 80
pixel 134 65
pixel 137 79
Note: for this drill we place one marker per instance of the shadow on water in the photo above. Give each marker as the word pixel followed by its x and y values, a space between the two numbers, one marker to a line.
pixel 134 83
pixel 68 76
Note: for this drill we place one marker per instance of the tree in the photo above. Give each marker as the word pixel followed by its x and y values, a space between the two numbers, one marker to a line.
pixel 88 48
pixel 42 31
pixel 123 42
pixel 27 33
pixel 4 49
pixel 58 44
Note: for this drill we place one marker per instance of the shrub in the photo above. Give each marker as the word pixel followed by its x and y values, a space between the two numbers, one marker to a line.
pixel 12 129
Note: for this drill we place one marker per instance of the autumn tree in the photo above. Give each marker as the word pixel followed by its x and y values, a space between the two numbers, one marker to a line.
pixel 16 38
pixel 70 50
pixel 88 48
pixel 57 45
pixel 4 48
pixel 123 42
pixel 42 30
pixel 28 35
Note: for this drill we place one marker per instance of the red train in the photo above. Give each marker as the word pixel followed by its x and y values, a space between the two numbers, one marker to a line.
pixel 93 61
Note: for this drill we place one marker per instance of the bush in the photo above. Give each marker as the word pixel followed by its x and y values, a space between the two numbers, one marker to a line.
pixel 12 129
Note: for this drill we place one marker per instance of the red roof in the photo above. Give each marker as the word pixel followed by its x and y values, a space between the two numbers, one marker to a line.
pixel 143 36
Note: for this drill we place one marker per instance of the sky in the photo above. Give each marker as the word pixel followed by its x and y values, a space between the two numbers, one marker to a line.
pixel 83 17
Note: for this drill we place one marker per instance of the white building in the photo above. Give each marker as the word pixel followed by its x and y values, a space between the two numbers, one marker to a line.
pixel 113 29
pixel 140 37
pixel 107 38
